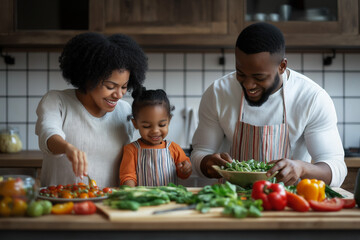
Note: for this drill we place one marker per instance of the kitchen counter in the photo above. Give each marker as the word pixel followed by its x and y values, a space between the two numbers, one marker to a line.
pixel 310 225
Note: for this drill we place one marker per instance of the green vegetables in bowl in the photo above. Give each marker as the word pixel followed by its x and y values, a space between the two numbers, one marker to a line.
pixel 247 166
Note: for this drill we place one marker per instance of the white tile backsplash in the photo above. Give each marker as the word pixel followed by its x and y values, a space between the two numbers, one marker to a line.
pixel 339 107
pixel 37 83
pixel 334 83
pixel 17 83
pixel 20 60
pixel 212 61
pixel 38 60
pixel 352 111
pixel 56 81
pixel 155 61
pixel 294 61
pixel 313 61
pixel 316 77
pixel 54 61
pixel 352 84
pixel 174 61
pixel 337 63
pixel 230 62
pixel 17 109
pixel 351 139
pixel 177 124
pixel 2 83
pixel 184 76
pixel 32 105
pixel 194 61
pixel 2 109
pixel 210 77
pixel 352 61
pixel 174 83
pixel 154 80
pixel 194 82
pixel 32 138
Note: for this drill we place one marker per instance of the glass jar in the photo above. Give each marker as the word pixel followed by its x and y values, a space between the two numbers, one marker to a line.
pixel 16 192
pixel 10 140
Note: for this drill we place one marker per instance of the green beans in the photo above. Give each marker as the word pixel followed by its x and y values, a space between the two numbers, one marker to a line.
pixel 247 166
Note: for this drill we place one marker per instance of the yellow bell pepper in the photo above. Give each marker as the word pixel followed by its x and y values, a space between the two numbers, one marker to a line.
pixel 311 189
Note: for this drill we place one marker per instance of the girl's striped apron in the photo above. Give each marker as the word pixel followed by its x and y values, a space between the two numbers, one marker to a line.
pixel 155 167
pixel 261 143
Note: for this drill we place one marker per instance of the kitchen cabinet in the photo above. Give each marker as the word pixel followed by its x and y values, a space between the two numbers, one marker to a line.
pixel 182 23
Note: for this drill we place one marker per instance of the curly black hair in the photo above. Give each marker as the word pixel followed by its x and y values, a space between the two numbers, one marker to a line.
pixel 143 98
pixel 261 37
pixel 90 58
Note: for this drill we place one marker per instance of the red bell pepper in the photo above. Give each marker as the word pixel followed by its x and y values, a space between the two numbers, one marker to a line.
pixel 273 195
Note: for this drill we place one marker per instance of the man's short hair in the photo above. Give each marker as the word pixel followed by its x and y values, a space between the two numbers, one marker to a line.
pixel 261 37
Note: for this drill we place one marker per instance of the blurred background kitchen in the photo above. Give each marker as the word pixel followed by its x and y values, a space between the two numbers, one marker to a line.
pixel 189 45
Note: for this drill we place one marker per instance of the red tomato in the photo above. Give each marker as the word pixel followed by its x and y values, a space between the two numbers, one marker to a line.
pixel 59 187
pixel 44 191
pixel 84 208
pixel 349 203
pixel 297 202
pixel 75 188
pixel 52 188
pixel 107 190
pixel 328 205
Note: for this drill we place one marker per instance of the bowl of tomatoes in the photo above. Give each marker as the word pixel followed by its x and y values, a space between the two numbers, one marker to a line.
pixel 76 192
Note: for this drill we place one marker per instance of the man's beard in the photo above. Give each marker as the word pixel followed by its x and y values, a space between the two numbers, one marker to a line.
pixel 265 96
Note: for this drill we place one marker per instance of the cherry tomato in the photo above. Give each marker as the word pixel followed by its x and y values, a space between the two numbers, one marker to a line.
pixel 75 187
pixel 52 188
pixel 62 208
pixel 328 205
pixel 59 187
pixel 84 195
pixel 100 194
pixel 349 203
pixel 84 208
pixel 66 194
pixel 107 190
pixel 91 194
pixel 44 191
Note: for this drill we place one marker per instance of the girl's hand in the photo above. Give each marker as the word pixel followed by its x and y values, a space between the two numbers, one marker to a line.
pixel 184 168
pixel 78 160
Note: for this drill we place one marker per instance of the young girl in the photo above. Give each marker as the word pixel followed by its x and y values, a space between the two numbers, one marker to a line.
pixel 152 160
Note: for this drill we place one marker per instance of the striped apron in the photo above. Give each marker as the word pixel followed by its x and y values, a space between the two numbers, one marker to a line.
pixel 155 167
pixel 261 143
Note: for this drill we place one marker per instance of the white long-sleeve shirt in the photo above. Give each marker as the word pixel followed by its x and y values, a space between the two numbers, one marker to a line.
pixel 102 139
pixel 310 113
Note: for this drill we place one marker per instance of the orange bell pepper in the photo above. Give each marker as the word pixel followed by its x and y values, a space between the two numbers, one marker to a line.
pixel 63 208
pixel 311 189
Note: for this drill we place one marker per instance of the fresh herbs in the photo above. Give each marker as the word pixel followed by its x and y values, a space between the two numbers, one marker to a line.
pixel 247 166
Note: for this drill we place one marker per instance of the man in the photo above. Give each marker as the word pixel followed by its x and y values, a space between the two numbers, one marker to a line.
pixel 267 112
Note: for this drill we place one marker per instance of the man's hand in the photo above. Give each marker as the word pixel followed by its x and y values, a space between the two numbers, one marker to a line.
pixel 219 159
pixel 289 170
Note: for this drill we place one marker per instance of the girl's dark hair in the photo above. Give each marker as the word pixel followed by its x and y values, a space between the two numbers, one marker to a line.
pixel 261 37
pixel 90 58
pixel 143 98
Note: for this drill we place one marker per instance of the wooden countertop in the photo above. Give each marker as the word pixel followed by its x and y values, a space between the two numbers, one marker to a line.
pixel 33 158
pixel 21 159
pixel 271 220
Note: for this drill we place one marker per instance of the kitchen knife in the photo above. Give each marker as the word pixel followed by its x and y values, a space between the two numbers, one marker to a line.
pixel 191 206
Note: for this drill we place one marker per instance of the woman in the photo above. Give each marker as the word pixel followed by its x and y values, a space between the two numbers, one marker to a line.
pixel 82 131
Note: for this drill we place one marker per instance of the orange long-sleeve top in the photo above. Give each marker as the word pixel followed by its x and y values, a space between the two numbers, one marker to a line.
pixel 130 159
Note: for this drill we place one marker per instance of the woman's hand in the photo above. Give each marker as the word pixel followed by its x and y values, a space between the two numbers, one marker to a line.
pixel 219 159
pixel 184 168
pixel 77 159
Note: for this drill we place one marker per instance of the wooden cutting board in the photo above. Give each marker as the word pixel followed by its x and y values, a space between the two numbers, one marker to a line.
pixel 146 213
